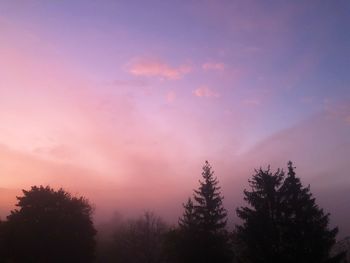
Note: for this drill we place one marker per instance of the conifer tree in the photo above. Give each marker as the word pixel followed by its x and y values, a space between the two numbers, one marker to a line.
pixel 188 220
pixel 283 222
pixel 209 211
pixel 305 233
pixel 203 225
pixel 260 230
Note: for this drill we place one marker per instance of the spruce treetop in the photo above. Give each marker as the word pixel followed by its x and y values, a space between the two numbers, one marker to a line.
pixel 211 214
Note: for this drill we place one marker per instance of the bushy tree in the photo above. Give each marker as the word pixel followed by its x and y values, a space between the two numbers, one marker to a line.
pixel 282 222
pixel 203 232
pixel 50 226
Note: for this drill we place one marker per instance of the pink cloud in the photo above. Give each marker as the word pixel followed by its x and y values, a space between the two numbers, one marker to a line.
pixel 213 66
pixel 204 91
pixel 156 68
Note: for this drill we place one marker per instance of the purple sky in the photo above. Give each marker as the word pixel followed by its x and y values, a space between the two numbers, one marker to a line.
pixel 123 101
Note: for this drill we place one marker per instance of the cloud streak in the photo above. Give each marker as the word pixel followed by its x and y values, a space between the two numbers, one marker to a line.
pixel 205 92
pixel 156 68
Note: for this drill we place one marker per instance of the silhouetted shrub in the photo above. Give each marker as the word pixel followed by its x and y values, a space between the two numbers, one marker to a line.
pixel 50 226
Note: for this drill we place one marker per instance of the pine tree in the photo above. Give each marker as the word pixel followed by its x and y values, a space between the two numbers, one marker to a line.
pixel 283 222
pixel 305 230
pixel 260 230
pixel 188 220
pixel 209 211
pixel 203 225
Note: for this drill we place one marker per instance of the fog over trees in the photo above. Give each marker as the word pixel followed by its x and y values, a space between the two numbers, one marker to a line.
pixel 281 222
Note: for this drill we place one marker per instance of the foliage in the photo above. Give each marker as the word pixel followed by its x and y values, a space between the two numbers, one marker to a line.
pixel 202 236
pixel 283 222
pixel 50 226
pixel 209 211
pixel 188 221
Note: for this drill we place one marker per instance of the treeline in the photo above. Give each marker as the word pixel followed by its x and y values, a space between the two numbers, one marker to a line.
pixel 281 223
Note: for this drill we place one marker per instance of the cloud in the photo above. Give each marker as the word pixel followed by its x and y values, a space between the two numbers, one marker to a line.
pixel 157 68
pixel 204 91
pixel 213 66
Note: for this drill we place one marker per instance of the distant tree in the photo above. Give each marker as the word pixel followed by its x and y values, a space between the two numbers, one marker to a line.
pixel 203 231
pixel 50 226
pixel 182 243
pixel 189 219
pixel 283 222
pixel 141 240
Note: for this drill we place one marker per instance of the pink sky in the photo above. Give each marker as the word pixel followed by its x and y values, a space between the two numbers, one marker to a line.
pixel 124 106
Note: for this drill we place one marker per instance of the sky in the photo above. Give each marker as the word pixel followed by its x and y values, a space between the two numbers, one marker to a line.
pixel 123 101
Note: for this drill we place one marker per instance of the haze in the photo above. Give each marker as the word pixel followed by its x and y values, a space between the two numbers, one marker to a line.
pixel 123 101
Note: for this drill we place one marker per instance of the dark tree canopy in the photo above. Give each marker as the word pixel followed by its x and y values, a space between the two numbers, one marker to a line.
pixel 203 232
pixel 260 229
pixel 282 222
pixel 50 226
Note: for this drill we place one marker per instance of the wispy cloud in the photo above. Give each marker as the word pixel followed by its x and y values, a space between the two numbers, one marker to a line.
pixel 157 68
pixel 205 91
pixel 213 66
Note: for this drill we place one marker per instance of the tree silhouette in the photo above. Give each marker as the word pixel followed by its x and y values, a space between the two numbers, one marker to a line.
pixel 209 211
pixel 203 232
pixel 283 222
pixel 50 226
pixel 189 219
pixel 141 240
pixel 260 230
pixel 3 248
pixel 307 236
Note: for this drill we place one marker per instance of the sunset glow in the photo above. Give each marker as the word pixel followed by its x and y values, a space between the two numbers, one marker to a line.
pixel 123 101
